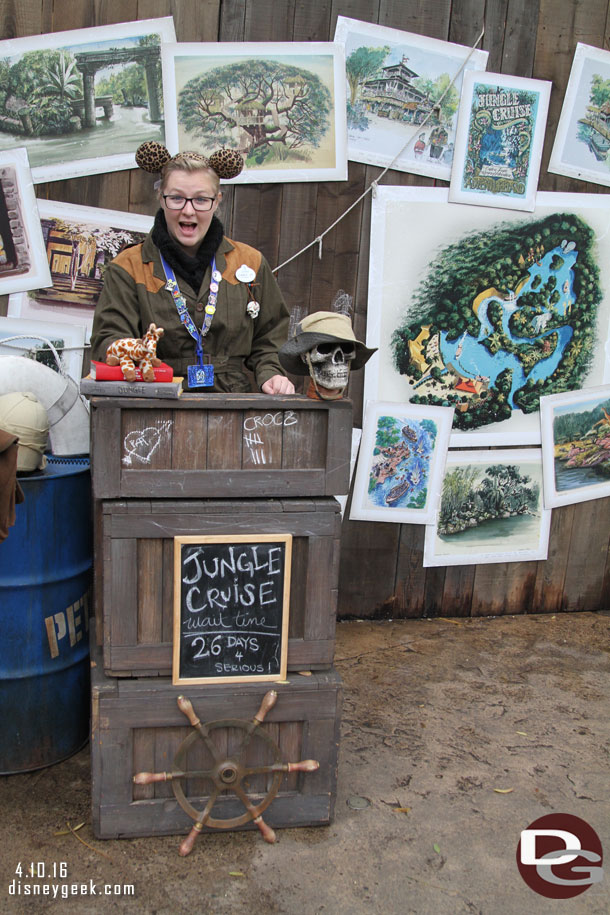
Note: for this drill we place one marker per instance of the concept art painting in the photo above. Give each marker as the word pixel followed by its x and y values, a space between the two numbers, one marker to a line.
pixel 582 142
pixel 576 446
pixel 81 101
pixel 401 462
pixel 485 313
pixel 282 106
pixel 491 510
pixel 403 95
pixel 80 241
pixel 501 126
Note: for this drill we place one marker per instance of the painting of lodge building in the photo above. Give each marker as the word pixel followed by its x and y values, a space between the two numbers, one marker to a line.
pixel 392 95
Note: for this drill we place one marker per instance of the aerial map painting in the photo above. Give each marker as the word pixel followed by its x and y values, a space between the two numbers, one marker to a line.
pixel 487 313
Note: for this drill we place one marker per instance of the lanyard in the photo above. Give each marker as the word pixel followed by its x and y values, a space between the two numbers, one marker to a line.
pixel 183 312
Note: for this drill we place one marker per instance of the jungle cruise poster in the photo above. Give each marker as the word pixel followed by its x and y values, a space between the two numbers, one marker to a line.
pixel 486 310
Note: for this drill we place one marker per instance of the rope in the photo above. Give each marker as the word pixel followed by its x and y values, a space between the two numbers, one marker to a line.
pixel 373 185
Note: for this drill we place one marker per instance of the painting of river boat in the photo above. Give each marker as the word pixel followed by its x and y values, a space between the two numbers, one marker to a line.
pixel 491 510
pixel 576 446
pixel 486 311
pixel 582 142
pixel 400 463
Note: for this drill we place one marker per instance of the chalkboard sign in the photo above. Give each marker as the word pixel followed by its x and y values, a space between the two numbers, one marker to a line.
pixel 231 601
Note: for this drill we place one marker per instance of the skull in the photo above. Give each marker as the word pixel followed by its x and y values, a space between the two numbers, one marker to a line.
pixel 329 363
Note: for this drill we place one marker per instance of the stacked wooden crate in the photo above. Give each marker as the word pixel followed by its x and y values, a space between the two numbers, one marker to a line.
pixel 212 465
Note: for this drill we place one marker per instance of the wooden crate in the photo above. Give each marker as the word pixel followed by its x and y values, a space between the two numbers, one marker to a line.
pixel 138 727
pixel 134 581
pixel 219 446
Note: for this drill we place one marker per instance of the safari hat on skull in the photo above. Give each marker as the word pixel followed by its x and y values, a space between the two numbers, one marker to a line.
pixel 22 414
pixel 321 327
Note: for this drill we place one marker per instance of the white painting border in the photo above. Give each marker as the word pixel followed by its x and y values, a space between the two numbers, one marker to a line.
pixel 244 50
pixel 409 225
pixel 553 496
pixel 457 193
pixel 478 555
pixel 365 149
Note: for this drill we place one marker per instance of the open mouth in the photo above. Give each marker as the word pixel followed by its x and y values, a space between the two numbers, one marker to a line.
pixel 188 228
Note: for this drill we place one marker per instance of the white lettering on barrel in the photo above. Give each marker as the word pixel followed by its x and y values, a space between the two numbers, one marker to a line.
pixel 69 622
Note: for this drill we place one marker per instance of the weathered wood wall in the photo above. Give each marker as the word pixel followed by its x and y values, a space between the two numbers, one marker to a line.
pixel 381 568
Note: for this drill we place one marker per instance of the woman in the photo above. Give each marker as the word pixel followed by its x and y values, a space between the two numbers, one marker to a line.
pixel 216 299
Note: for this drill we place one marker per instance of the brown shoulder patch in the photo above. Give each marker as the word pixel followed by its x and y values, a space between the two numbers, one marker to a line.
pixel 142 272
pixel 241 254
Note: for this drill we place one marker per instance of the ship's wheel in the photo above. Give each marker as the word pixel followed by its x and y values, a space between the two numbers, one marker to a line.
pixel 226 774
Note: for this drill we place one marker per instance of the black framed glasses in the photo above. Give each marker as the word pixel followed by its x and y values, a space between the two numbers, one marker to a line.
pixel 177 202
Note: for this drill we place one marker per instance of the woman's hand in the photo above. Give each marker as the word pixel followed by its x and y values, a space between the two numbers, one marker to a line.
pixel 278 384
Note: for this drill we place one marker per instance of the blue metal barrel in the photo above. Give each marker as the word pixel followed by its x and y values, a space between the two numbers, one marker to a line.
pixel 46 567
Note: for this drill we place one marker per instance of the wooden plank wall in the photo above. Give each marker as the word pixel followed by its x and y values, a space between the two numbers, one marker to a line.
pixel 381 568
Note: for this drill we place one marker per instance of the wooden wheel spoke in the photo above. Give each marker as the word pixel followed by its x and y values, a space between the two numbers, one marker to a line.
pixel 260 770
pixel 241 794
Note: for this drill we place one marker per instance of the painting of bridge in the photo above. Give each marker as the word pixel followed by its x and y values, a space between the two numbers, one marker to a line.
pixel 72 97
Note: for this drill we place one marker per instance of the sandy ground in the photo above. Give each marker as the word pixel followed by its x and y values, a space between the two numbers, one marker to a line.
pixel 456 735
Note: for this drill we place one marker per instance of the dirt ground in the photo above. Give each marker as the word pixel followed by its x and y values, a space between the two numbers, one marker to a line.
pixel 456 735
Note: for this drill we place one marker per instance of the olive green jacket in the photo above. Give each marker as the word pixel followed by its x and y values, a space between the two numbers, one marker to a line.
pixel 134 295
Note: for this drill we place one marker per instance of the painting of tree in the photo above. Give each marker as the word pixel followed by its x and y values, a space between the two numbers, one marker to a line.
pixel 270 109
pixel 281 106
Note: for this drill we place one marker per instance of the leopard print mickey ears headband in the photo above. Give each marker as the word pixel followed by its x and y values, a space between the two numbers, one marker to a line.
pixel 153 157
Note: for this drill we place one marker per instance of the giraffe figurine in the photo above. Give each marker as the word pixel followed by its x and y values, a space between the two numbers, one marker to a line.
pixel 130 352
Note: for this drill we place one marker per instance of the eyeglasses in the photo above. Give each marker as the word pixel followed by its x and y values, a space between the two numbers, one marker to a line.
pixel 176 202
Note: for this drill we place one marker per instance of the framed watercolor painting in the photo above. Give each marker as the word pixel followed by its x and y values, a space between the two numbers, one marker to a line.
pixel 33 343
pixel 500 135
pixel 282 105
pixel 400 463
pixel 582 141
pixel 394 81
pixel 79 242
pixel 491 510
pixel 23 261
pixel 576 446
pixel 487 310
pixel 82 101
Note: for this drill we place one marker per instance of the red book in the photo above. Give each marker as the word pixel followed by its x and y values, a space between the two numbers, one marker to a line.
pixel 102 372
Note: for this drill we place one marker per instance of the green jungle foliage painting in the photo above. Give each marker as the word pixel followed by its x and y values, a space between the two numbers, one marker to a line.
pixel 504 316
pixel 582 445
pixel 472 497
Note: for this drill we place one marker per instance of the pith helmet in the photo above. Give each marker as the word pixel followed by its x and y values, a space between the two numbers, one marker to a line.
pixel 22 414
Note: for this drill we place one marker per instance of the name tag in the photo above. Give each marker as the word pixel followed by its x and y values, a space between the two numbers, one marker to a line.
pixel 200 376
